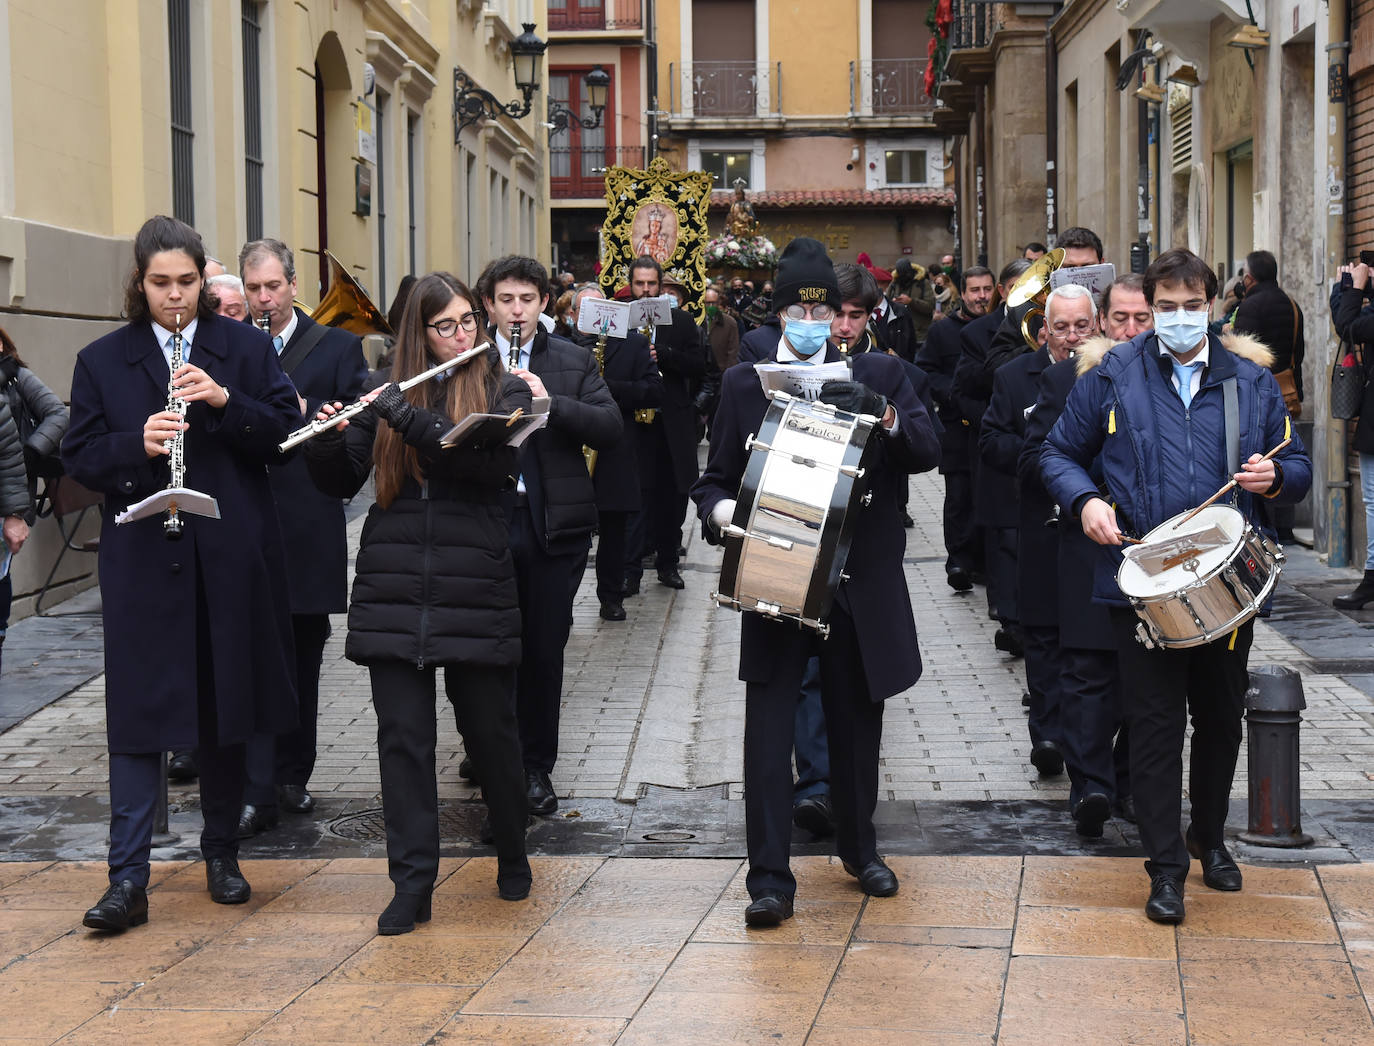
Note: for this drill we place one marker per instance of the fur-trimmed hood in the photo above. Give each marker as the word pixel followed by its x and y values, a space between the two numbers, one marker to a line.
pixel 1246 346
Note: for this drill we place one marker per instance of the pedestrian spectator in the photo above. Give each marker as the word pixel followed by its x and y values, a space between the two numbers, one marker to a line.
pixel 911 288
pixel 1354 322
pixel 563 319
pixel 1269 313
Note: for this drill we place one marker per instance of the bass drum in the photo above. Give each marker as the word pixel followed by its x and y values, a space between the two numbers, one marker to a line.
pixel 1196 583
pixel 794 519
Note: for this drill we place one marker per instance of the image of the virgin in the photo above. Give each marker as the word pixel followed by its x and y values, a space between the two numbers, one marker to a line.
pixel 654 231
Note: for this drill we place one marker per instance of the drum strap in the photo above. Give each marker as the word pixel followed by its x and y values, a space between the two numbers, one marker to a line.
pixel 1232 411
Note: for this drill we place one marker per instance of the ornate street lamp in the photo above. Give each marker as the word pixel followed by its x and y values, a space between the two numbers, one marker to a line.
pixel 598 83
pixel 471 103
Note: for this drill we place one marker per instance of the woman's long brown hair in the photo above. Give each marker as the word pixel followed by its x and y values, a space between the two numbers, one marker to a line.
pixel 468 389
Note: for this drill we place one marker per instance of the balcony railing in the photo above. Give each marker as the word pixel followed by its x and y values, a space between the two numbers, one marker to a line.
pixel 708 89
pixel 579 172
pixel 593 15
pixel 888 87
pixel 971 24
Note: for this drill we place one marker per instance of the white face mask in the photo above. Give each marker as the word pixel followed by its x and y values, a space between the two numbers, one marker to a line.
pixel 1181 331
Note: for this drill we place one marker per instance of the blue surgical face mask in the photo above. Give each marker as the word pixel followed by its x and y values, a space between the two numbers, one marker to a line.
pixel 806 337
pixel 1181 331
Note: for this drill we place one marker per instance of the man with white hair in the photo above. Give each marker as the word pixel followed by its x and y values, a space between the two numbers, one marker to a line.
pixel 226 291
pixel 1070 319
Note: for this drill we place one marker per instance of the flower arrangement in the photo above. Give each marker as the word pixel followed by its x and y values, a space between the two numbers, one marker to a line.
pixel 741 252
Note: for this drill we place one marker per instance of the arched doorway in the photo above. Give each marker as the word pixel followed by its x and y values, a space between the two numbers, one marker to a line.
pixel 331 91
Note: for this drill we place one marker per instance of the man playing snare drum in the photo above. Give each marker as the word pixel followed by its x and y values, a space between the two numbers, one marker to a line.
pixel 1155 408
pixel 871 651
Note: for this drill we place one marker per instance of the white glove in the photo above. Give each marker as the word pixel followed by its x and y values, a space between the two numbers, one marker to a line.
pixel 722 513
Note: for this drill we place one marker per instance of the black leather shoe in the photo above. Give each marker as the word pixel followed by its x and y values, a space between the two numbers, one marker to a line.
pixel 876 878
pixel 513 879
pixel 1166 900
pixel 907 521
pixel 612 611
pixel 182 766
pixel 295 799
pixel 1025 699
pixel 671 578
pixel 404 911
pixel 1091 814
pixel 815 814
pixel 123 905
pixel 959 580
pixel 539 793
pixel 466 770
pixel 768 909
pixel 631 586
pixel 1125 809
pixel 227 884
pixel 1046 758
pixel 1007 641
pixel 1219 869
pixel 253 820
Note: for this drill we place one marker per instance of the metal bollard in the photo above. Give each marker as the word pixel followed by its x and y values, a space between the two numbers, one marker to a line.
pixel 1273 707
pixel 162 834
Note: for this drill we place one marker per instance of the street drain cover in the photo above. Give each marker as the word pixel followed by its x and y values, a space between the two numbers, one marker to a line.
pixel 669 837
pixel 456 820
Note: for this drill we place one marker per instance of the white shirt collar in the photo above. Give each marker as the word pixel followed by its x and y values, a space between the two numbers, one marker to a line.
pixel 289 329
pixel 1203 356
pixel 786 355
pixel 503 349
pixel 164 335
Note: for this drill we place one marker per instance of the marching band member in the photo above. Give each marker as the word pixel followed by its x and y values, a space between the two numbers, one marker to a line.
pixel 1154 409
pixel 871 652
pixel 435 588
pixel 197 632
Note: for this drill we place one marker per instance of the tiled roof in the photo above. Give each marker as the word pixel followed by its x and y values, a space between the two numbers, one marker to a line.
pixel 842 198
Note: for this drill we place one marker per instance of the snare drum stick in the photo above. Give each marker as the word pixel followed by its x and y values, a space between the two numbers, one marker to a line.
pixel 1222 492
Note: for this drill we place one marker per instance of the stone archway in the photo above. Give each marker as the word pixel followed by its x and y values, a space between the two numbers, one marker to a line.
pixel 332 86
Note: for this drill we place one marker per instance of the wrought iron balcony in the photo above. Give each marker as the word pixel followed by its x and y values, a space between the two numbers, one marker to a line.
pixel 889 87
pixel 579 172
pixel 595 15
pixel 703 90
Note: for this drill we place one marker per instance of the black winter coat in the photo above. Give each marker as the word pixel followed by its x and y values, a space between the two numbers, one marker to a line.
pixel 1269 314
pixel 938 358
pixel 435 582
pixel 634 383
pixel 581 412
pixel 312 522
pixel 1014 389
pixel 681 351
pixel 1355 323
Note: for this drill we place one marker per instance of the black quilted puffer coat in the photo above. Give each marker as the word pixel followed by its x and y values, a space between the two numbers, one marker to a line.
pixel 435 584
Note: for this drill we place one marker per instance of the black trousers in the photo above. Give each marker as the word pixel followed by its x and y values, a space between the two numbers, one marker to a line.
pixel 1042 680
pixel 610 555
pixel 1160 690
pixel 1000 544
pixel 289 758
pixel 963 540
pixel 1090 708
pixel 546 584
pixel 403 697
pixel 136 779
pixel 854 724
pixel 657 528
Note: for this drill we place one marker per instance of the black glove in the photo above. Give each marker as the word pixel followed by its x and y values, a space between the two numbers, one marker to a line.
pixel 855 397
pixel 391 404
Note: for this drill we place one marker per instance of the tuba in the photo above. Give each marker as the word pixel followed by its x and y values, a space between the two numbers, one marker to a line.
pixel 1033 286
pixel 347 305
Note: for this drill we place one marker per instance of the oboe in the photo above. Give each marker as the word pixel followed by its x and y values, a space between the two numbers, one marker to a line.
pixel 514 344
pixel 312 430
pixel 265 323
pixel 176 453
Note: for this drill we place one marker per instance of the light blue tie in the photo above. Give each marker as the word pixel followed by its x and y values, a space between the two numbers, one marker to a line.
pixel 277 343
pixel 1184 373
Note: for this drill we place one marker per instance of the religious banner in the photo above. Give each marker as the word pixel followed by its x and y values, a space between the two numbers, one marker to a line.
pixel 662 213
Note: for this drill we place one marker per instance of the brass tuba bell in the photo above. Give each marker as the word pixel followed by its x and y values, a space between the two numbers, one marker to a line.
pixel 1033 285
pixel 347 305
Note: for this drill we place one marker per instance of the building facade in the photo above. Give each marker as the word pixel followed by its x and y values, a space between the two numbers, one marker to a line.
pixel 330 124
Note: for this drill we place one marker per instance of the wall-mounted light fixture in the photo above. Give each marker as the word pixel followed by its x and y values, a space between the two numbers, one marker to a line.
pixel 598 83
pixel 472 103
pixel 1250 37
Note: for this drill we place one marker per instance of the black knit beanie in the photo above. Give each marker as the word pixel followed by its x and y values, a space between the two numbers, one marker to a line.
pixel 805 274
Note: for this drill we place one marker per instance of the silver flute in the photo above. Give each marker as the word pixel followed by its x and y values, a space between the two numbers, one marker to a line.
pixel 176 449
pixel 306 432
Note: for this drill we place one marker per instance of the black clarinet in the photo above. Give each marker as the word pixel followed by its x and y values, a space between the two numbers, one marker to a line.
pixel 514 344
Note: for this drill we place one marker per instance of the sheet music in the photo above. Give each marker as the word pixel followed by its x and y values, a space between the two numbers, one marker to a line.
pixel 190 501
pixel 1096 278
pixel 510 429
pixel 801 380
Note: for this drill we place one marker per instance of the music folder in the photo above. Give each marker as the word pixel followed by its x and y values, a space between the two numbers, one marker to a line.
pixel 186 500
pixel 488 430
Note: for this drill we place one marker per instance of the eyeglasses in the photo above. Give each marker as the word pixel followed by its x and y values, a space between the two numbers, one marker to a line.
pixel 1083 328
pixel 798 311
pixel 449 327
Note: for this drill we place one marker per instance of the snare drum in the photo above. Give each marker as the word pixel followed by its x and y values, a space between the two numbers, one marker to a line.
pixel 1195 584
pixel 794 520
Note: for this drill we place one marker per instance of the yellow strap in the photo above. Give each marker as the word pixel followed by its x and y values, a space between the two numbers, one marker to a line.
pixel 1232 645
pixel 1287 427
pixel 1111 423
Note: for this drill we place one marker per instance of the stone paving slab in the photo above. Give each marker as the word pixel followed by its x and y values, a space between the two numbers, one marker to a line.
pixel 620 951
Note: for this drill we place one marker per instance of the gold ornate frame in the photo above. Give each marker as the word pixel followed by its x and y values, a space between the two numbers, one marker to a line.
pixel 687 194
